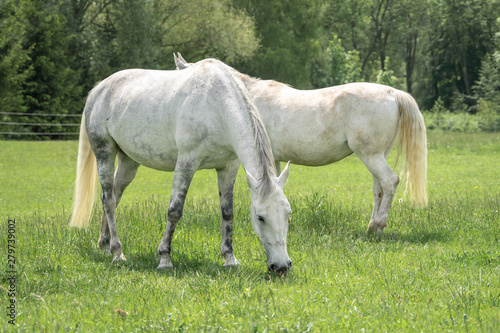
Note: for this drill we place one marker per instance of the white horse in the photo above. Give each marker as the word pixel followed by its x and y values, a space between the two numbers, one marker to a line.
pixel 319 127
pixel 202 118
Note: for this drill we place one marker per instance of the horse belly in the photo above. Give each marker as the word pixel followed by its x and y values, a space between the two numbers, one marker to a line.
pixel 151 154
pixel 159 146
pixel 315 152
pixel 148 139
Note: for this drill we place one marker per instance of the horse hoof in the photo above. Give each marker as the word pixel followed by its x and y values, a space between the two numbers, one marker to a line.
pixel 164 264
pixel 232 265
pixel 377 229
pixel 118 259
pixel 231 261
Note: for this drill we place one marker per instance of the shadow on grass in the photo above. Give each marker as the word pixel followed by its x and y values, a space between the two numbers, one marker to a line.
pixel 357 229
pixel 414 237
pixel 185 265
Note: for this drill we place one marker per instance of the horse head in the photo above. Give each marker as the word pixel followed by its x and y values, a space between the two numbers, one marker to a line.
pixel 269 212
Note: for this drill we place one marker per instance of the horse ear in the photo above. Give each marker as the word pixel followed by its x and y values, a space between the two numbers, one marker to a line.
pixel 252 182
pixel 180 62
pixel 284 176
pixel 181 58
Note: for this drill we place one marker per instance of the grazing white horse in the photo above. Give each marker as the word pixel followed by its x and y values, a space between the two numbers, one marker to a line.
pixel 319 127
pixel 202 118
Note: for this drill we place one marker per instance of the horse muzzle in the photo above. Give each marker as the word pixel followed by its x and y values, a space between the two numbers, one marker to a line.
pixel 281 270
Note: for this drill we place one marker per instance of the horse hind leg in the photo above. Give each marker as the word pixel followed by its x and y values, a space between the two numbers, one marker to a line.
pixel 226 179
pixel 183 174
pixel 124 174
pixel 385 183
pixel 377 197
pixel 105 153
pixel 104 236
pixel 278 167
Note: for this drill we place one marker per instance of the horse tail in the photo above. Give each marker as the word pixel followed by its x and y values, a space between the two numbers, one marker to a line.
pixel 413 141
pixel 86 181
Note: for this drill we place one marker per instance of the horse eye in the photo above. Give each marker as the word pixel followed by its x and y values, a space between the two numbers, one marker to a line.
pixel 260 218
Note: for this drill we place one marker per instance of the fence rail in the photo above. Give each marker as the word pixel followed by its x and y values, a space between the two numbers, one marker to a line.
pixel 42 114
pixel 36 124
pixel 29 133
pixel 20 134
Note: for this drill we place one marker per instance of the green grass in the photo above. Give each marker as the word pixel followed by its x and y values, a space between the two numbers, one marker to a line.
pixel 434 269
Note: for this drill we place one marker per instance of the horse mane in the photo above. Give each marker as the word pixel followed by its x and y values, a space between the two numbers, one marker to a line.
pixel 262 140
pixel 264 148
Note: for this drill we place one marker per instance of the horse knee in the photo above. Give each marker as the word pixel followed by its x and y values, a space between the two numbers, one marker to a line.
pixel 174 212
pixel 396 180
pixel 390 184
pixel 227 212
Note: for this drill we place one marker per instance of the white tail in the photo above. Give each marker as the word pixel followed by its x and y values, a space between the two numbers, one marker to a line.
pixel 413 141
pixel 86 181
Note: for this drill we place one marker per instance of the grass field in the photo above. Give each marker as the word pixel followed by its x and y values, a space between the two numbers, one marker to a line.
pixel 435 269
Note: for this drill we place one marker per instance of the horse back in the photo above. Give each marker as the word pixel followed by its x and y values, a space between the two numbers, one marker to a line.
pixel 153 116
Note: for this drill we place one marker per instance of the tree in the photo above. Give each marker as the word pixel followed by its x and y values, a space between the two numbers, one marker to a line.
pixel 380 14
pixel 460 38
pixel 120 34
pixel 412 16
pixel 201 28
pixel 487 88
pixel 52 52
pixel 288 32
pixel 131 33
pixel 365 26
pixel 337 67
pixel 488 85
pixel 52 86
pixel 14 65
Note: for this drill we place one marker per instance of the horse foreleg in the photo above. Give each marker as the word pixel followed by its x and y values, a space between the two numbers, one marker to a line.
pixel 183 175
pixel 226 179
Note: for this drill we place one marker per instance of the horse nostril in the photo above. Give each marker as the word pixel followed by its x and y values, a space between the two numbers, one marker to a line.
pixel 280 270
pixel 289 263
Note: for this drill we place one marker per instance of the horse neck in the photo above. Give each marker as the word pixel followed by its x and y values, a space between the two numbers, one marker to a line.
pixel 252 84
pixel 250 140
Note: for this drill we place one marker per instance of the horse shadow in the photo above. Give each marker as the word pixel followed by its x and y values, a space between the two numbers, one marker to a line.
pixel 185 265
pixel 413 237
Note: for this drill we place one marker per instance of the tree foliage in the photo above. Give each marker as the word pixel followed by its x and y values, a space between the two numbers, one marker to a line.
pixel 52 52
pixel 288 31
pixel 14 59
pixel 51 86
pixel 337 66
pixel 462 35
